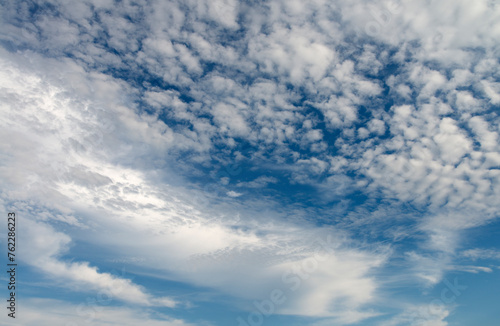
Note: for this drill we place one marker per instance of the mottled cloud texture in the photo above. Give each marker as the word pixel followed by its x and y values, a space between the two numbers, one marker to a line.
pixel 338 151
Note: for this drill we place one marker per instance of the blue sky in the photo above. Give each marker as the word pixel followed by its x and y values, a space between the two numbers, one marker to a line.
pixel 252 162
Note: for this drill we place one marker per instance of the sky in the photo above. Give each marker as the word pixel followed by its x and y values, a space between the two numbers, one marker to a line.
pixel 247 163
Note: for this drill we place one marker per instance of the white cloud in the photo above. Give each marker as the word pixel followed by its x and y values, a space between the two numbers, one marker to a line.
pixel 452 143
pixel 337 287
pixel 473 269
pixel 288 79
pixel 433 314
pixel 45 246
pixel 478 253
pixel 260 182
pixel 233 194
pixel 45 312
pixel 126 201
